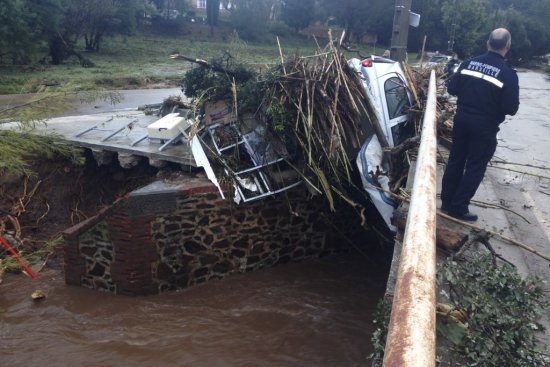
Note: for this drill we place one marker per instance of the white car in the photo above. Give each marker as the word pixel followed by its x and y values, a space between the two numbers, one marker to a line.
pixel 437 60
pixel 387 88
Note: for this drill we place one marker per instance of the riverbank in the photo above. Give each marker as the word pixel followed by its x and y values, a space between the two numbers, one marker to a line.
pixel 142 61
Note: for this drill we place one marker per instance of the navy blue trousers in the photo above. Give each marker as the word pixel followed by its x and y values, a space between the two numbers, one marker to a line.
pixel 474 144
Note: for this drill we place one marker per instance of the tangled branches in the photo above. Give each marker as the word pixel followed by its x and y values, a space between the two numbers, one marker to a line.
pixel 17 208
pixel 319 108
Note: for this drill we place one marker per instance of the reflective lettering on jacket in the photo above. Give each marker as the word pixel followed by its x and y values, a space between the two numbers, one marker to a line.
pixel 487 90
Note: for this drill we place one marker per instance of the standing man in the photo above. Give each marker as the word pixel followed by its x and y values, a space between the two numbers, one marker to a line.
pixel 487 90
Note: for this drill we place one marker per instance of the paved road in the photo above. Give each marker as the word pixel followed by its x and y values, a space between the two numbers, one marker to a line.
pixel 131 100
pixel 525 139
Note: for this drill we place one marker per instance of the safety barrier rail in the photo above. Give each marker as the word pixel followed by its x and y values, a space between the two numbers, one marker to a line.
pixel 411 335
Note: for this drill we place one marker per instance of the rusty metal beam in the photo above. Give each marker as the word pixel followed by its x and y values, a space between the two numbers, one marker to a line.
pixel 411 335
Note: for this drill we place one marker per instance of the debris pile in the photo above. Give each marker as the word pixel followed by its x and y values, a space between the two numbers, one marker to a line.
pixel 304 120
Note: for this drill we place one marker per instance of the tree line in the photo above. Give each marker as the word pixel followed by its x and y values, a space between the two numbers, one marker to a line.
pixel 53 30
pixel 466 25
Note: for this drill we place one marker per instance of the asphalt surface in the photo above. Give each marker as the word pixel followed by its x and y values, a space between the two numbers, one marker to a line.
pixel 131 99
pixel 524 140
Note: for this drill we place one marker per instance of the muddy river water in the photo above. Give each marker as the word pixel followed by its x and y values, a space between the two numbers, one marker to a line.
pixel 314 313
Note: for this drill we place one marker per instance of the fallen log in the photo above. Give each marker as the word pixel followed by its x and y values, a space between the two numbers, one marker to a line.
pixel 445 237
pixel 497 235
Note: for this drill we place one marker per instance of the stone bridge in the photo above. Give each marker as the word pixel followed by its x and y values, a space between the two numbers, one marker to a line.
pixel 171 235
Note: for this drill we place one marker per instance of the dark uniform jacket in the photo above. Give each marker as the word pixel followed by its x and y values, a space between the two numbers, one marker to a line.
pixel 487 90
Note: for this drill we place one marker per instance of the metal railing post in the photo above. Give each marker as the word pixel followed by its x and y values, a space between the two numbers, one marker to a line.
pixel 411 335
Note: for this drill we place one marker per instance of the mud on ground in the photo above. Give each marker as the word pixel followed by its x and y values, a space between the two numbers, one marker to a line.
pixel 64 195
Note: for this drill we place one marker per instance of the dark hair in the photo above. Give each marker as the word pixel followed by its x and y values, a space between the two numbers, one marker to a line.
pixel 499 40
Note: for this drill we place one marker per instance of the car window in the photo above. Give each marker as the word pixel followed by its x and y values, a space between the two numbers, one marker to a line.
pixel 401 132
pixel 396 97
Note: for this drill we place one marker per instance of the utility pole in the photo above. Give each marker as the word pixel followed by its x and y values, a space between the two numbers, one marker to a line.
pixel 451 43
pixel 400 31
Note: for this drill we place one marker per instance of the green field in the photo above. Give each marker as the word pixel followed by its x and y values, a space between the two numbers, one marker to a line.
pixel 142 61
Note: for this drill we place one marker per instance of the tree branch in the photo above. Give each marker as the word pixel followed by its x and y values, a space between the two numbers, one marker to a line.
pixel 203 63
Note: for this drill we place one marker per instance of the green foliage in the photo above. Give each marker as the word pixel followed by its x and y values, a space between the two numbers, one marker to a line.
pixel 280 116
pixel 279 28
pixel 206 84
pixel 212 12
pixel 472 20
pixel 381 319
pixel 23 25
pixel 239 50
pixel 468 20
pixel 94 20
pixel 17 147
pixel 168 26
pixel 130 62
pixel 165 17
pixel 502 312
pixel 298 14
pixel 20 144
pixel 45 103
pixel 201 82
pixel 530 37
pixel 431 26
pixel 358 17
pixel 30 27
pixel 250 18
pixel 10 264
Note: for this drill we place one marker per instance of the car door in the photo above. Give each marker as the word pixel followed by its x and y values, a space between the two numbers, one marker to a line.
pixel 397 102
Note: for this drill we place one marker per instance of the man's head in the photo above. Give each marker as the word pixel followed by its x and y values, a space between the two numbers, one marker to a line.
pixel 499 41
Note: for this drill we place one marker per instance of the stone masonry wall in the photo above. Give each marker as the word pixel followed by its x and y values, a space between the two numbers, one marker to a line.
pixel 173 236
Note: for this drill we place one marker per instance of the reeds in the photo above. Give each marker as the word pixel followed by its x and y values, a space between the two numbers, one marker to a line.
pixel 327 113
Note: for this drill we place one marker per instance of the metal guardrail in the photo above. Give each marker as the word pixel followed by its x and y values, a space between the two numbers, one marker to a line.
pixel 411 335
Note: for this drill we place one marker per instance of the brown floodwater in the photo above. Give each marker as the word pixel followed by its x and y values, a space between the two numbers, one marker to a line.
pixel 313 313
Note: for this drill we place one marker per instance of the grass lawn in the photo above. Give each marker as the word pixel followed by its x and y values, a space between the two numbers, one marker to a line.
pixel 142 61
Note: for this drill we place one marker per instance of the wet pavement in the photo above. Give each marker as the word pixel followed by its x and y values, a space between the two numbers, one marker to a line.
pixel 131 100
pixel 524 139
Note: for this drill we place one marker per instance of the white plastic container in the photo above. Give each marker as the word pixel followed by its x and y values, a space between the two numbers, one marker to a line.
pixel 167 127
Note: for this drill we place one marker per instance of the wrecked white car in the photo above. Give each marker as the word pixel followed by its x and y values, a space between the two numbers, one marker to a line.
pixel 386 86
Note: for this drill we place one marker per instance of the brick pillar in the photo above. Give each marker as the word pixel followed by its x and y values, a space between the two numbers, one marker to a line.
pixel 134 252
pixel 73 263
